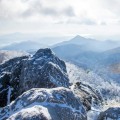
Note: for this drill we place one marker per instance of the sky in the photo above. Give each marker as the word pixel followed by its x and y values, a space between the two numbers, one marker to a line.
pixel 61 17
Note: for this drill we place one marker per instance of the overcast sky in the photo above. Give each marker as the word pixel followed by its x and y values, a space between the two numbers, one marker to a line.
pixel 60 17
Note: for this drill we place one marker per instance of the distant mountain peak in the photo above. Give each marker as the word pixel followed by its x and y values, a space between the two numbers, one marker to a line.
pixel 78 37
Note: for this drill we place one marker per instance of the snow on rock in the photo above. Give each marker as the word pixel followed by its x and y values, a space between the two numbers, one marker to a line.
pixel 31 113
pixel 42 70
pixel 112 113
pixel 9 94
pixel 45 104
pixel 93 115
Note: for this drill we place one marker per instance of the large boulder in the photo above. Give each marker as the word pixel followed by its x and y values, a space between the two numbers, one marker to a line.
pixel 112 113
pixel 45 104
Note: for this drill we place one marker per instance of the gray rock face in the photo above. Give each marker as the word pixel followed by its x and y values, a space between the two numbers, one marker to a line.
pixel 43 70
pixel 45 104
pixel 110 114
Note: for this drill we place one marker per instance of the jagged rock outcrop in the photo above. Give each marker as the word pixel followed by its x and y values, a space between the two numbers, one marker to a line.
pixel 89 96
pixel 110 114
pixel 45 104
pixel 42 70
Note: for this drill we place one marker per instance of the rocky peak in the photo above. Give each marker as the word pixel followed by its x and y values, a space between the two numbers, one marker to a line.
pixel 43 56
pixel 42 70
pixel 43 52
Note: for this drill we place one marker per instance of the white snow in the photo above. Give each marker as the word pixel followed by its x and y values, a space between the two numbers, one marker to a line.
pixel 92 115
pixel 9 94
pixel 32 111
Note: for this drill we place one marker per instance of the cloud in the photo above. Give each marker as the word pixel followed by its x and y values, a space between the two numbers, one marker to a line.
pixel 18 9
pixel 69 11
pixel 112 5
pixel 79 21
pixel 11 9
pixel 103 23
pixel 88 12
pixel 41 9
pixel 88 22
pixel 24 13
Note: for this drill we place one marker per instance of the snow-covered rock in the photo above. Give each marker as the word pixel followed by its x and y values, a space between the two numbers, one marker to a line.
pixel 42 70
pixel 31 113
pixel 45 104
pixel 110 114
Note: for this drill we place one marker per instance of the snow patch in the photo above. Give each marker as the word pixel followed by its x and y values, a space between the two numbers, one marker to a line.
pixel 9 94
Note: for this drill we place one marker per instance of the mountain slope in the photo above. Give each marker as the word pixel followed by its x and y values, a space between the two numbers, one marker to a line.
pixel 108 88
pixel 24 46
pixel 91 44
pixel 68 50
pixel 86 54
